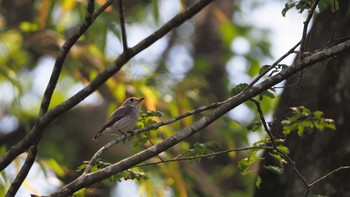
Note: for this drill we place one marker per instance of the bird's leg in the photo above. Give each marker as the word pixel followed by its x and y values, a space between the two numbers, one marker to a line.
pixel 125 135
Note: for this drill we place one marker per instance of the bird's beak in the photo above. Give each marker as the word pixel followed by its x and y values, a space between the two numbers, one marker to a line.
pixel 140 99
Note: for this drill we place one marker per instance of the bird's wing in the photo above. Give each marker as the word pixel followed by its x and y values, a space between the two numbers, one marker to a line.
pixel 117 115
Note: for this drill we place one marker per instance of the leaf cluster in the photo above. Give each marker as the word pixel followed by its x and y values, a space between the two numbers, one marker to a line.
pixel 302 118
pixel 306 4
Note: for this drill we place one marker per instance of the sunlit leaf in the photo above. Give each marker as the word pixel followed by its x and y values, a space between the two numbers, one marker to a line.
pixel 283 149
pixel 258 182
pixel 54 166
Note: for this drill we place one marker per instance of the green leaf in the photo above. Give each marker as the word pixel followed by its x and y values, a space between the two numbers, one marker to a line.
pixel 238 88
pixel 318 114
pixel 81 193
pixel 283 149
pixel 55 167
pixel 258 182
pixel 287 7
pixel 302 118
pixel 228 32
pixel 278 158
pixel 275 169
pixel 245 163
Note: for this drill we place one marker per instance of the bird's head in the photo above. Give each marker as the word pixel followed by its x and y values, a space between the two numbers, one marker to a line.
pixel 133 101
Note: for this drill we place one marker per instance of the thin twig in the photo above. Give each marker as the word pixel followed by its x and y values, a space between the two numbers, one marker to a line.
pixel 198 125
pixel 62 53
pixel 38 128
pixel 150 141
pixel 56 72
pixel 328 174
pixel 22 174
pixel 176 159
pixel 285 156
pixel 306 24
pixel 122 25
pixel 100 79
pixel 144 129
pixel 251 84
pixel 262 118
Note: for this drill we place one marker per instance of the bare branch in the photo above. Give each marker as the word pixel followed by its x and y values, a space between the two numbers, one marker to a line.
pixel 102 77
pixel 328 174
pixel 262 118
pixel 122 25
pixel 176 159
pixel 285 156
pixel 32 152
pixel 22 174
pixel 203 122
pixel 147 128
pixel 292 50
pixel 62 53
pixel 306 24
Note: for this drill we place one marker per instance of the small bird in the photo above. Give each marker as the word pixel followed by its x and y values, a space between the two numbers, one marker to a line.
pixel 123 119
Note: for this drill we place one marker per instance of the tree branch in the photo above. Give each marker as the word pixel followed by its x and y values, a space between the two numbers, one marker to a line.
pixel 22 174
pixel 262 118
pixel 33 150
pixel 122 25
pixel 324 177
pixel 36 132
pixel 328 174
pixel 147 128
pixel 176 159
pixel 62 53
pixel 274 145
pixel 292 50
pixel 102 77
pixel 306 24
pixel 226 106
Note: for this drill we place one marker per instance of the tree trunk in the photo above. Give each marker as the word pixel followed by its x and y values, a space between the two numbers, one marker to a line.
pixel 325 88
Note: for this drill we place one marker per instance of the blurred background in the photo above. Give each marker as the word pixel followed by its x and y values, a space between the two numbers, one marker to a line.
pixel 196 64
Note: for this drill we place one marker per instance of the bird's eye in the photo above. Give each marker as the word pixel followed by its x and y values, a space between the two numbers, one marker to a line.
pixel 132 99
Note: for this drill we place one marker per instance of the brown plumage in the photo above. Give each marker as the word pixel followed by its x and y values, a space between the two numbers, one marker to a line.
pixel 123 119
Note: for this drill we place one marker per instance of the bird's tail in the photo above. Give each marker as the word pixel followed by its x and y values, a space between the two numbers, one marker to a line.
pixel 97 135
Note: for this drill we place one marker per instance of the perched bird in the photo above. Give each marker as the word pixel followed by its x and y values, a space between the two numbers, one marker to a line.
pixel 123 119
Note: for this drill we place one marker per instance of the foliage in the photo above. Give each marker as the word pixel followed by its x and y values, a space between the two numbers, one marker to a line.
pixel 200 149
pixel 171 86
pixel 306 4
pixel 302 118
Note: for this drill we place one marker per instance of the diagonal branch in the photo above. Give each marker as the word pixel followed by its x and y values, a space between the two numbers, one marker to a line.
pixel 292 50
pixel 262 118
pixel 328 174
pixel 226 106
pixel 62 53
pixel 306 24
pixel 101 78
pixel 122 25
pixel 22 174
pixel 33 150
pixel 176 159
pixel 147 128
pixel 274 145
